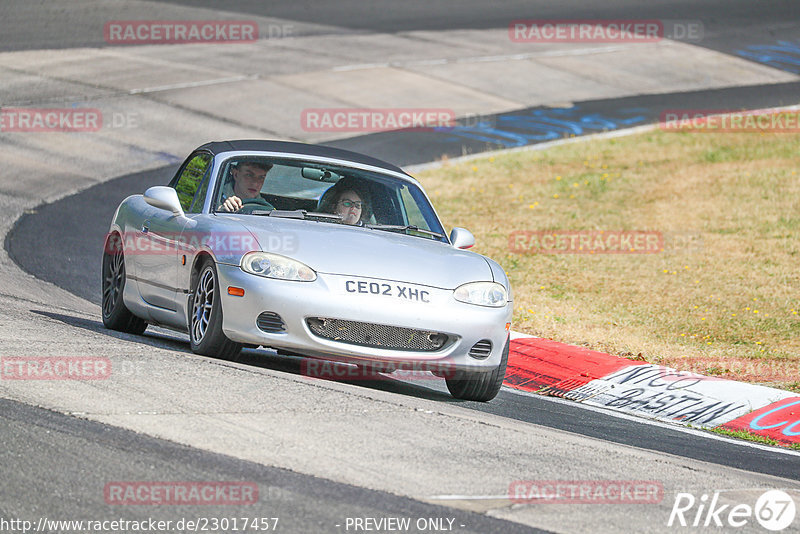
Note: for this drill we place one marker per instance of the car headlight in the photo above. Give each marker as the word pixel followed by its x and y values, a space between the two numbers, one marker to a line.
pixel 482 294
pixel 276 266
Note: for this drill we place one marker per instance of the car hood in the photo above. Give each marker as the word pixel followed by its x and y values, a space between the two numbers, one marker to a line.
pixel 355 251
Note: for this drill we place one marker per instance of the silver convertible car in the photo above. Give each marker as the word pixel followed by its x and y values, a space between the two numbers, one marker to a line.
pixel 311 251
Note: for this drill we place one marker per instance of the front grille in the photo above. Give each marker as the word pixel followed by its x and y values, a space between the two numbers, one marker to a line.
pixel 481 349
pixel 271 323
pixel 376 335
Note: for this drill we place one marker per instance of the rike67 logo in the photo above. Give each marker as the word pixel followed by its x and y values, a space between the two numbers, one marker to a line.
pixel 774 510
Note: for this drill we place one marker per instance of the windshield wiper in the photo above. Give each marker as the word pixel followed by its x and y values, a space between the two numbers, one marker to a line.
pixel 298 214
pixel 401 227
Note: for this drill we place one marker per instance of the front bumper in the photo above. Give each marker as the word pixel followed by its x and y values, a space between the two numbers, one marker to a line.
pixel 338 297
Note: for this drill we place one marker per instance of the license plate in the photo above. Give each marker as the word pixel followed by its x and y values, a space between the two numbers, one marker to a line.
pixel 387 289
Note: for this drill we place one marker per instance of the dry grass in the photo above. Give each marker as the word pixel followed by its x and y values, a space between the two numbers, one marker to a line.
pixel 728 306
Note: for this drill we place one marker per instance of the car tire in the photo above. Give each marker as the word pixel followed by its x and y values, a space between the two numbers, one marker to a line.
pixel 205 317
pixel 116 316
pixel 467 385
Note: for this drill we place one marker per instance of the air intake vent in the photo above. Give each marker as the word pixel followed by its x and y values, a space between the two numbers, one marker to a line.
pixel 481 349
pixel 270 323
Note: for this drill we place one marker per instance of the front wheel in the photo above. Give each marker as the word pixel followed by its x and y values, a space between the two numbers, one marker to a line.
pixel 116 316
pixel 205 319
pixel 468 385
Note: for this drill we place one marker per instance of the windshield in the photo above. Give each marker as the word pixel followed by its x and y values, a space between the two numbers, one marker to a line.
pixel 260 186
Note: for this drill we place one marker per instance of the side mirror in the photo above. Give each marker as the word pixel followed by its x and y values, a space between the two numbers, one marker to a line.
pixel 164 198
pixel 462 238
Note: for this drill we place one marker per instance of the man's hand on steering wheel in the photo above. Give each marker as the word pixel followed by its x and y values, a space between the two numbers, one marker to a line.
pixel 235 204
pixel 232 204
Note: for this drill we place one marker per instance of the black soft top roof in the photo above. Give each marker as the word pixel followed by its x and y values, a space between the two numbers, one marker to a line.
pixel 217 147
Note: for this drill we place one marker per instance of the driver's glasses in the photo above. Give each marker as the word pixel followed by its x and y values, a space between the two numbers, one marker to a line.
pixel 351 203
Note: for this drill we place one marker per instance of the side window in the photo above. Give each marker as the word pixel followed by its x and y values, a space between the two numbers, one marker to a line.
pixel 200 196
pixel 413 214
pixel 190 180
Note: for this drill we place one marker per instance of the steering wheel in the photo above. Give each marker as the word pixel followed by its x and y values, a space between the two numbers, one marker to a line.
pixel 249 205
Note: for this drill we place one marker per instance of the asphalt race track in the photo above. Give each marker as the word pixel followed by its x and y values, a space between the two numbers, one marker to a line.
pixel 310 501
pixel 79 222
pixel 323 454
pixel 728 24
